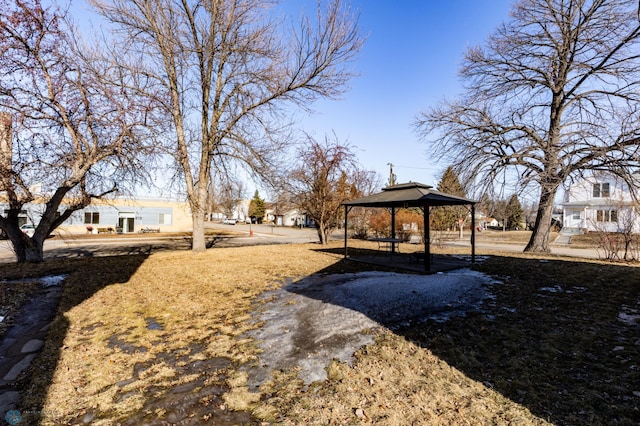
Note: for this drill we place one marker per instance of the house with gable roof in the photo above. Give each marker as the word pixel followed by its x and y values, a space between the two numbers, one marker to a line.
pixel 601 202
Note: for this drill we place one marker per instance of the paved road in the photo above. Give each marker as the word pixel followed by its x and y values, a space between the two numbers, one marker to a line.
pixel 244 234
pixel 285 234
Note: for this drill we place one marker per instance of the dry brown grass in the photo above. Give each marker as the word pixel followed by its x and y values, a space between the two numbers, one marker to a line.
pixel 591 239
pixel 140 338
pixel 135 235
pixel 515 237
pixel 394 382
pixel 200 302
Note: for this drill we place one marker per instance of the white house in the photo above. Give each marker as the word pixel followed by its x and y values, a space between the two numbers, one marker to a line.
pixel 602 202
pixel 292 217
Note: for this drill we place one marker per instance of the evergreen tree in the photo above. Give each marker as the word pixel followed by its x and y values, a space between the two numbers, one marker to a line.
pixel 257 207
pixel 514 213
pixel 447 217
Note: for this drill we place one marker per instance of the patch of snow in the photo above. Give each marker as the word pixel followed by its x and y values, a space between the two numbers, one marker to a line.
pixel 467 257
pixel 52 280
pixel 380 295
pixel 629 318
pixel 555 289
pixel 328 317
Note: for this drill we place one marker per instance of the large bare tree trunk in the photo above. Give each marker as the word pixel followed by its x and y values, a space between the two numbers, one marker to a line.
pixel 26 249
pixel 198 244
pixel 199 205
pixel 323 233
pixel 539 241
pixel 34 251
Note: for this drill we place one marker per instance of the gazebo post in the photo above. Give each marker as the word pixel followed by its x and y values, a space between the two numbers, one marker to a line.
pixel 346 214
pixel 427 240
pixel 393 229
pixel 473 233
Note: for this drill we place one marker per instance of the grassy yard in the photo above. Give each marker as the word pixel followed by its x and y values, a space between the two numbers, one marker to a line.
pixel 161 336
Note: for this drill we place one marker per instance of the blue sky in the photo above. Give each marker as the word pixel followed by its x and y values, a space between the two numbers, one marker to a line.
pixel 410 62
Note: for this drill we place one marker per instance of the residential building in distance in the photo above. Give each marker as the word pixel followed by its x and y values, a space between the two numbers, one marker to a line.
pixel 602 202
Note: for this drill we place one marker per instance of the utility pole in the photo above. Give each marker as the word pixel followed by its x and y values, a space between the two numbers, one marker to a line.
pixel 392 177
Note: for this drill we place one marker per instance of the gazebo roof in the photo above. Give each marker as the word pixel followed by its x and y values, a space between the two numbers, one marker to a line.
pixel 412 194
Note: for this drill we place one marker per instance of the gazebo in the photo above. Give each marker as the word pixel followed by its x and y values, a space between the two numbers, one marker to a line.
pixel 407 195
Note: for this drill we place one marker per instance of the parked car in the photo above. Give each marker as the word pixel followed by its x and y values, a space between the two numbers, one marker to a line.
pixel 229 221
pixel 28 229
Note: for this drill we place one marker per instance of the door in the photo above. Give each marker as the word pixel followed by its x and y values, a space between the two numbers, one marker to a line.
pixel 126 222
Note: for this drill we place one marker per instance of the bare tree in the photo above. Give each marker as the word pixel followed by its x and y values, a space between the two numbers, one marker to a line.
pixel 228 71
pixel 231 193
pixel 326 177
pixel 628 218
pixel 367 182
pixel 617 230
pixel 554 92
pixel 69 136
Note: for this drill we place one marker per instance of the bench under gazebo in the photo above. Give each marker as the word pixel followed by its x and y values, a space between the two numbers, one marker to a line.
pixel 409 195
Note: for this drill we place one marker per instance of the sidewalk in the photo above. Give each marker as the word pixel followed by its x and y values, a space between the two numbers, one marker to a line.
pixel 557 249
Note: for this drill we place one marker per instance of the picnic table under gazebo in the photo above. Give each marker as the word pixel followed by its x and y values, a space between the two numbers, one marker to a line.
pixel 408 195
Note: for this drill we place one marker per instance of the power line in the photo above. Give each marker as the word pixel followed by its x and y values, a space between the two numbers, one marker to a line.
pixel 415 168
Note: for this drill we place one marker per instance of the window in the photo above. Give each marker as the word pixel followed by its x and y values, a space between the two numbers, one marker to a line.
pixel 606 215
pixel 23 213
pixel 164 219
pixel 576 215
pixel 601 190
pixel 92 217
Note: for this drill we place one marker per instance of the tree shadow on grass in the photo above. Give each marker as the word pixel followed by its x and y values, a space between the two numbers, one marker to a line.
pixel 561 338
pixel 84 277
pixel 411 261
pixel 129 247
pixel 201 379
